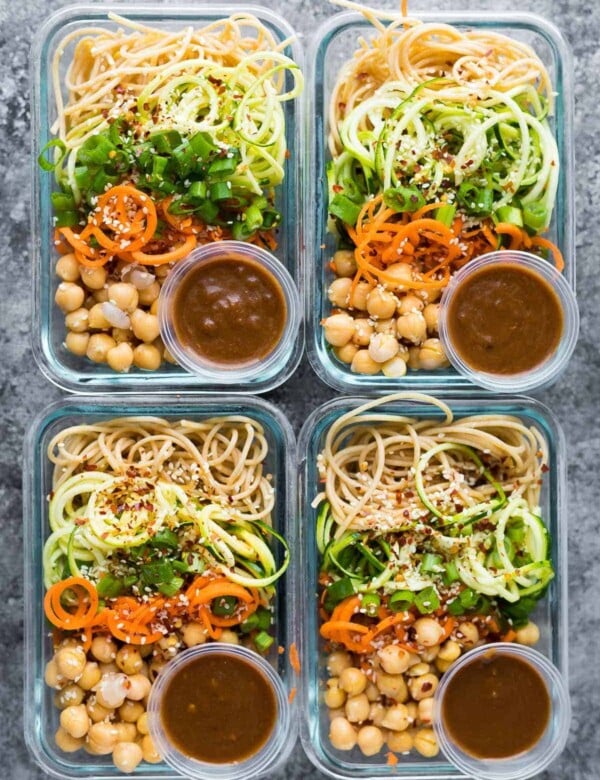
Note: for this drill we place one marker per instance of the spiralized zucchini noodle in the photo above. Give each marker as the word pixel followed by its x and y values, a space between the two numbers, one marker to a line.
pixel 149 509
pixel 444 509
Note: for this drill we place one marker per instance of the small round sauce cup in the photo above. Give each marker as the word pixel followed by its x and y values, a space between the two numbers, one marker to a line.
pixel 260 265
pixel 268 755
pixel 544 368
pixel 537 756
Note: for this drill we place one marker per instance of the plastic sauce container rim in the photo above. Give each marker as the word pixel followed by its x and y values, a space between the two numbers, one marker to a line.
pixel 547 371
pixel 230 374
pixel 256 764
pixel 542 753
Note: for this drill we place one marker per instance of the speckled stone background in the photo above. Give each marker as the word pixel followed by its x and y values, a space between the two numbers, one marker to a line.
pixel 575 399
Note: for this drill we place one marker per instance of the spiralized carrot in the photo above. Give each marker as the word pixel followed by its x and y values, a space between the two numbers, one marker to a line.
pixel 87 603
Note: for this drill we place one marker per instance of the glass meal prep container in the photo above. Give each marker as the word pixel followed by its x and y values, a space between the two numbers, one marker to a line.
pixel 333 45
pixel 80 374
pixel 550 613
pixel 41 716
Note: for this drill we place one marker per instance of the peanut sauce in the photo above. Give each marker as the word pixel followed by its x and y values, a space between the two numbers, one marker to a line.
pixel 230 311
pixel 219 709
pixel 505 319
pixel 496 706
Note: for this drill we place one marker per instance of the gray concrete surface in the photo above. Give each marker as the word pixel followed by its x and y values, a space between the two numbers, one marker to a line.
pixel 575 399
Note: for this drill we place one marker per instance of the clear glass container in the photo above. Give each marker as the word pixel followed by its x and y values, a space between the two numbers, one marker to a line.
pixel 334 43
pixel 79 374
pixel 40 715
pixel 550 614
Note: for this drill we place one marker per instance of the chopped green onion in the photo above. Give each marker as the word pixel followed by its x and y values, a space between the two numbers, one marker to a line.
pixel 109 587
pixel 208 212
pixel 66 219
pixel 62 201
pixel 431 562
pixel 166 141
pixel 263 641
pixel 159 166
pixel 475 200
pixel 510 214
pixel 535 216
pixel 197 191
pixel 165 538
pixel 445 214
pixel 253 218
pixel 401 600
pixel 172 587
pixel 224 606
pixel 343 208
pixel 220 190
pixel 44 163
pixel 223 167
pixel 451 574
pixel 202 145
pixel 468 598
pixel 404 199
pixel 264 616
pixel 371 603
pixel 339 590
pixel 156 573
pixel 427 601
pixel 96 150
pixel 250 624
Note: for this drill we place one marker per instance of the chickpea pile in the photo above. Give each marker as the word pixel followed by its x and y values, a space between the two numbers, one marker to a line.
pixel 380 328
pixel 103 694
pixel 389 699
pixel 112 317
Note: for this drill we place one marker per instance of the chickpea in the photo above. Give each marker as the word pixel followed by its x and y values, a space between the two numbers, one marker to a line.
pixel 432 313
pixel 372 691
pixel 413 358
pixel 67 268
pixel 432 355
pixel 122 335
pixel 385 326
pixel 338 329
pixel 147 356
pixel 401 274
pixel 425 708
pixel 65 742
pixel 126 756
pixel 75 720
pixel 156 665
pixel 422 687
pixel 129 660
pixel 145 326
pixel 112 689
pixel 410 303
pixel 352 680
pixel 337 661
pixel 93 278
pixel 120 357
pixel 126 732
pixel 346 353
pixel 149 752
pixel 381 303
pixel 335 697
pixel 52 676
pixel 110 668
pixel 382 347
pixel 130 711
pixel 104 734
pixel 104 649
pixel 363 331
pixel 400 741
pixel 426 743
pixel 393 686
pixel 99 346
pixel 69 296
pixel 377 713
pixel 77 320
pixel 358 298
pixel 394 660
pixel 154 307
pixel 418 669
pixel 467 634
pixel 428 632
pixel 430 296
pixel 357 708
pixel 96 711
pixel 442 666
pixel 149 294
pixel 138 687
pixel 68 696
pixel 94 749
pixel 394 368
pixel 96 318
pixel 430 654
pixel 344 262
pixel 169 357
pixel 370 740
pixel 229 637
pixel 396 718
pixel 339 293
pixel 528 634
pixel 193 634
pixel 142 724
pixel 337 713
pixel 449 651
pixel 100 296
pixel 362 363
pixel 342 734
pixel 70 662
pixel 412 327
pixel 123 295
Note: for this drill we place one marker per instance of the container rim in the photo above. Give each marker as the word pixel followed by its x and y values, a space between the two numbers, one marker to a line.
pixel 170 405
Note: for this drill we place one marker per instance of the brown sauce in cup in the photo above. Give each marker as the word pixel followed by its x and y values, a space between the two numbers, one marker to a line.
pixel 230 311
pixel 504 319
pixel 496 706
pixel 218 709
